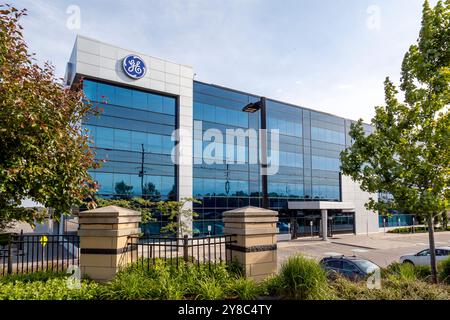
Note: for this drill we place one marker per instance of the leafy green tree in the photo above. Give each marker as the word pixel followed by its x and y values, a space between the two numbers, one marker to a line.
pixel 407 153
pixel 44 151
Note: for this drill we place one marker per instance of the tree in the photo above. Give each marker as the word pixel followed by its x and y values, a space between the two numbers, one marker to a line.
pixel 44 151
pixel 407 153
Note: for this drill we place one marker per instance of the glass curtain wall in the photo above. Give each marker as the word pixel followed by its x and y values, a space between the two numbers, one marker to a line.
pixel 222 185
pixel 133 135
pixel 309 148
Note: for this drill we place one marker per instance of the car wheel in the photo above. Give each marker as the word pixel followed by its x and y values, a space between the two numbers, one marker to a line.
pixel 408 262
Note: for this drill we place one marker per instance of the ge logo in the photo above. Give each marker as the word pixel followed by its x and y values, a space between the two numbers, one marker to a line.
pixel 134 67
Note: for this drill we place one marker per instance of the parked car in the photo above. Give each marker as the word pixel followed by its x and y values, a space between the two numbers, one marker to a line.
pixel 352 268
pixel 423 257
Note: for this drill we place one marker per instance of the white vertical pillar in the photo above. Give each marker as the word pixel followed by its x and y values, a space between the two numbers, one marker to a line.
pixel 324 224
pixel 185 126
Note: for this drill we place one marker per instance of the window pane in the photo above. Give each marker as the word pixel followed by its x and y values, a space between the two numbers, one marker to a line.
pixel 106 93
pixel 169 105
pixel 154 143
pixel 90 90
pixel 122 139
pixel 104 138
pixel 155 102
pixel 139 139
pixel 139 100
pixel 123 97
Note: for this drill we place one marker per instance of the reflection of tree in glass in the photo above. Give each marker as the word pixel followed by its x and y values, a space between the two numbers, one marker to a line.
pixel 123 190
pixel 173 194
pixel 150 192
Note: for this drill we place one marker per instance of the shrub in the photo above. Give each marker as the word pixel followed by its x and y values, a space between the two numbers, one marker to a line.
pixel 273 286
pixel 210 289
pixel 423 272
pixel 403 271
pixel 132 284
pixel 244 289
pixel 51 289
pixel 303 278
pixel 444 271
pixel 417 229
pixel 163 280
pixel 235 268
pixel 31 277
pixel 407 271
pixel 391 289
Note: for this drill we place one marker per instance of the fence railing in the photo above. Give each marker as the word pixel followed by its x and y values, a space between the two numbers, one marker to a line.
pixel 205 250
pixel 31 253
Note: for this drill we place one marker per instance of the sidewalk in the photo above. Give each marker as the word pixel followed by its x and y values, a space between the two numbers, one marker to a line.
pixel 375 241
pixel 381 248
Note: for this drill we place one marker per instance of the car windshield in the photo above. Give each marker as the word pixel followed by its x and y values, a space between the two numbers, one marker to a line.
pixel 366 266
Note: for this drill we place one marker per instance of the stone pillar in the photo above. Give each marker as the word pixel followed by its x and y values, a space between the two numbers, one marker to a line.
pixel 104 236
pixel 324 224
pixel 255 231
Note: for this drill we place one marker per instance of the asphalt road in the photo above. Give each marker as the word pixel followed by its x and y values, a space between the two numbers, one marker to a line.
pixel 381 248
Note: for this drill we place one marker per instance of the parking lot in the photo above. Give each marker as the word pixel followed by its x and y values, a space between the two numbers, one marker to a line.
pixel 381 248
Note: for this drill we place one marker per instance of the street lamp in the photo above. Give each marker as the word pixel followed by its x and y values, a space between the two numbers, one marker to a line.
pixel 252 108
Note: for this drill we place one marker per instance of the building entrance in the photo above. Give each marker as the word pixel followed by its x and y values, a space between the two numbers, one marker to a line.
pixel 303 224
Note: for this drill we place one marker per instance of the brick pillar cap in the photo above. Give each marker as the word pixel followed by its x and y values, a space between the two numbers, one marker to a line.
pixel 250 211
pixel 109 211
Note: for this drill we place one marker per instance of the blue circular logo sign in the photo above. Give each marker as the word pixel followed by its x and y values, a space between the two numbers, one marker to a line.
pixel 134 66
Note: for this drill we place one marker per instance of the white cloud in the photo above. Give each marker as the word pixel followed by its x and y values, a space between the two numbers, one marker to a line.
pixel 345 86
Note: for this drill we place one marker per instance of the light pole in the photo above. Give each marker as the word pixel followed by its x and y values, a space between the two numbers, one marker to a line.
pixel 252 108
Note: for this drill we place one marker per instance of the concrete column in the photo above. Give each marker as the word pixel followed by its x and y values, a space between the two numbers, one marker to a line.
pixel 104 236
pixel 255 231
pixel 324 224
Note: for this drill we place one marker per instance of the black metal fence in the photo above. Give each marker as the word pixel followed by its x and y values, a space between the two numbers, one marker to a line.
pixel 31 253
pixel 204 250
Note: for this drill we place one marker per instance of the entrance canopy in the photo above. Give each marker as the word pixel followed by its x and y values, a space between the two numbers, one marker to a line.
pixel 320 205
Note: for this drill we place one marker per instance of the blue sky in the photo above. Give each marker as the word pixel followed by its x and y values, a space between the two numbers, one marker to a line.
pixel 329 55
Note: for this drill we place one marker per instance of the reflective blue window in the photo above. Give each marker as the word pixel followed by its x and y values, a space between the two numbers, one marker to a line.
pixel 139 100
pixel 90 90
pixel 124 97
pixel 326 192
pixel 167 145
pixel 325 163
pixel 221 115
pixel 198 111
pixel 122 139
pixel 326 135
pixel 169 105
pixel 209 113
pixel 154 143
pixel 104 138
pixel 106 93
pixel 139 140
pixel 119 134
pixel 105 181
pixel 155 102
